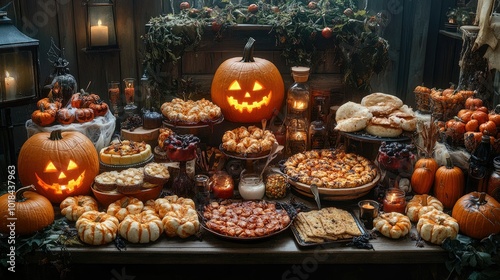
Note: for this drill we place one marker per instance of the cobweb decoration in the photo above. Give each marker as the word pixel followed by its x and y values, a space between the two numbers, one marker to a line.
pixel 100 130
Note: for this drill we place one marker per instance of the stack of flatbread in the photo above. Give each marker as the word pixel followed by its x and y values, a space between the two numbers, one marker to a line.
pixel 327 224
pixel 380 114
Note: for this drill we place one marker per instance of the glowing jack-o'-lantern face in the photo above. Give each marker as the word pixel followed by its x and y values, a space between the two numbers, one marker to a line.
pixel 59 164
pixel 247 89
pixel 63 180
pixel 248 102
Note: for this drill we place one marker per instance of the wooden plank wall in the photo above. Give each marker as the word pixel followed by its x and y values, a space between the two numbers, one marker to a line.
pixel 64 22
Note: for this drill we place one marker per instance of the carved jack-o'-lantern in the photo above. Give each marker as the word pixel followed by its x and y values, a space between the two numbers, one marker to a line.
pixel 247 89
pixel 59 164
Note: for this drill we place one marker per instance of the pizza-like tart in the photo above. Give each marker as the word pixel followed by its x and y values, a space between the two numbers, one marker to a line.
pixel 125 152
pixel 333 169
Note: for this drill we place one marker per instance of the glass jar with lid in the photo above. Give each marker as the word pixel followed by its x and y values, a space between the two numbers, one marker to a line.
pixel 298 93
pixel 251 186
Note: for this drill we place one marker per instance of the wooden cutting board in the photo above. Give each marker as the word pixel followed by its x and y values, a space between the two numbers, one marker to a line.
pixel 150 136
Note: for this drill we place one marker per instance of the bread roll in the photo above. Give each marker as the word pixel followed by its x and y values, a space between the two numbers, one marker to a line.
pixel 352 117
pixel 383 130
pixel 381 103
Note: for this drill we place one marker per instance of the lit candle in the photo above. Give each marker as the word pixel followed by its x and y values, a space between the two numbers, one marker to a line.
pixel 368 210
pixel 99 34
pixel 298 136
pixel 299 105
pixel 395 201
pixel 10 87
pixel 129 93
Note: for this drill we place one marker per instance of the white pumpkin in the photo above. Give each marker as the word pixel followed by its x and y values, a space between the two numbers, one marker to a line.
pixel 144 227
pixel 435 226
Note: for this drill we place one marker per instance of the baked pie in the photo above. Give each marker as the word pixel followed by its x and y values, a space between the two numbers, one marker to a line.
pixel 156 173
pixel 106 181
pixel 125 152
pixel 333 169
pixel 130 180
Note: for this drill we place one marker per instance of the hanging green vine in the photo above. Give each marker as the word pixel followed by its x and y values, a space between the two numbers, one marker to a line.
pixel 299 28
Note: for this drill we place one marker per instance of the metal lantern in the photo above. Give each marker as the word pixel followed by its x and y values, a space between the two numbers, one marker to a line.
pixel 101 27
pixel 18 65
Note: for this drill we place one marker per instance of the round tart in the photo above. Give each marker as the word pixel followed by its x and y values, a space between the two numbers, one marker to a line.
pixel 156 173
pixel 125 152
pixel 129 181
pixel 106 181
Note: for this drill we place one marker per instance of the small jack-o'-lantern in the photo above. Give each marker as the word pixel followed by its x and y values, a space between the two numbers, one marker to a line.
pixel 59 164
pixel 247 89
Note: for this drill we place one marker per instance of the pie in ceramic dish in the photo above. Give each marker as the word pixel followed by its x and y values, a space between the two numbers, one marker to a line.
pixel 331 169
pixel 125 152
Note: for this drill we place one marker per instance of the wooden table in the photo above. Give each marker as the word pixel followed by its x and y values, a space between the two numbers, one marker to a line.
pixel 193 256
pixel 278 249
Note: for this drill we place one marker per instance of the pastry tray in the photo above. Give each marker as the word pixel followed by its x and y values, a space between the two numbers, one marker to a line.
pixel 303 243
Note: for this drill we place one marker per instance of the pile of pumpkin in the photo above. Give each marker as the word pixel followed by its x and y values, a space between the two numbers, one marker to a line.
pixel 129 217
pixel 467 128
pixel 83 107
pixel 476 214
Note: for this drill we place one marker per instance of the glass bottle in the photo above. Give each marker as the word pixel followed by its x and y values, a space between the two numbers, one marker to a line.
pixel 333 134
pixel 298 94
pixel 183 185
pixel 296 136
pixel 479 170
pixel 297 105
pixel 202 189
pixel 317 129
pixel 494 181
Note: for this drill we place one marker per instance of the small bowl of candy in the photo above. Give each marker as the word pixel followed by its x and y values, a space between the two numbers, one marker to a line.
pixel 181 147
pixel 396 157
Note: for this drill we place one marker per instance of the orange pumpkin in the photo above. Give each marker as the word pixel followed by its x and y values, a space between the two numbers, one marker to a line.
pixel 59 164
pixel 428 162
pixel 421 180
pixel 478 215
pixel 44 117
pixel 449 184
pixel 473 103
pixel 247 89
pixel 31 211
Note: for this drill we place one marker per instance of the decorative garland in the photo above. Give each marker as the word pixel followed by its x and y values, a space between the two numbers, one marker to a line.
pixel 298 27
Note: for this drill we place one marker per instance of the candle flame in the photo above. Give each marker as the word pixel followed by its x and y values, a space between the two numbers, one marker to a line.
pixel 7 74
pixel 99 22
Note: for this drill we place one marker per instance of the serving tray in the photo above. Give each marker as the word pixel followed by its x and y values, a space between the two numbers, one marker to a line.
pixel 303 243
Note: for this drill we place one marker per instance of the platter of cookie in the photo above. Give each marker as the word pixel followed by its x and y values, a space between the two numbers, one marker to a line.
pixel 324 226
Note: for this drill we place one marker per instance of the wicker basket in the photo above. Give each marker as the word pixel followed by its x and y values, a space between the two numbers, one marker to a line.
pixel 423 101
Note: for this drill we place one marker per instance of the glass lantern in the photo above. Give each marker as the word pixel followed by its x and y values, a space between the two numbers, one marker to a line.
pixel 129 89
pixel 18 65
pixel 101 31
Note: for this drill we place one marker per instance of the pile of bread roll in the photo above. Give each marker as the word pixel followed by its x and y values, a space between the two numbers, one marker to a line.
pixel 379 114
